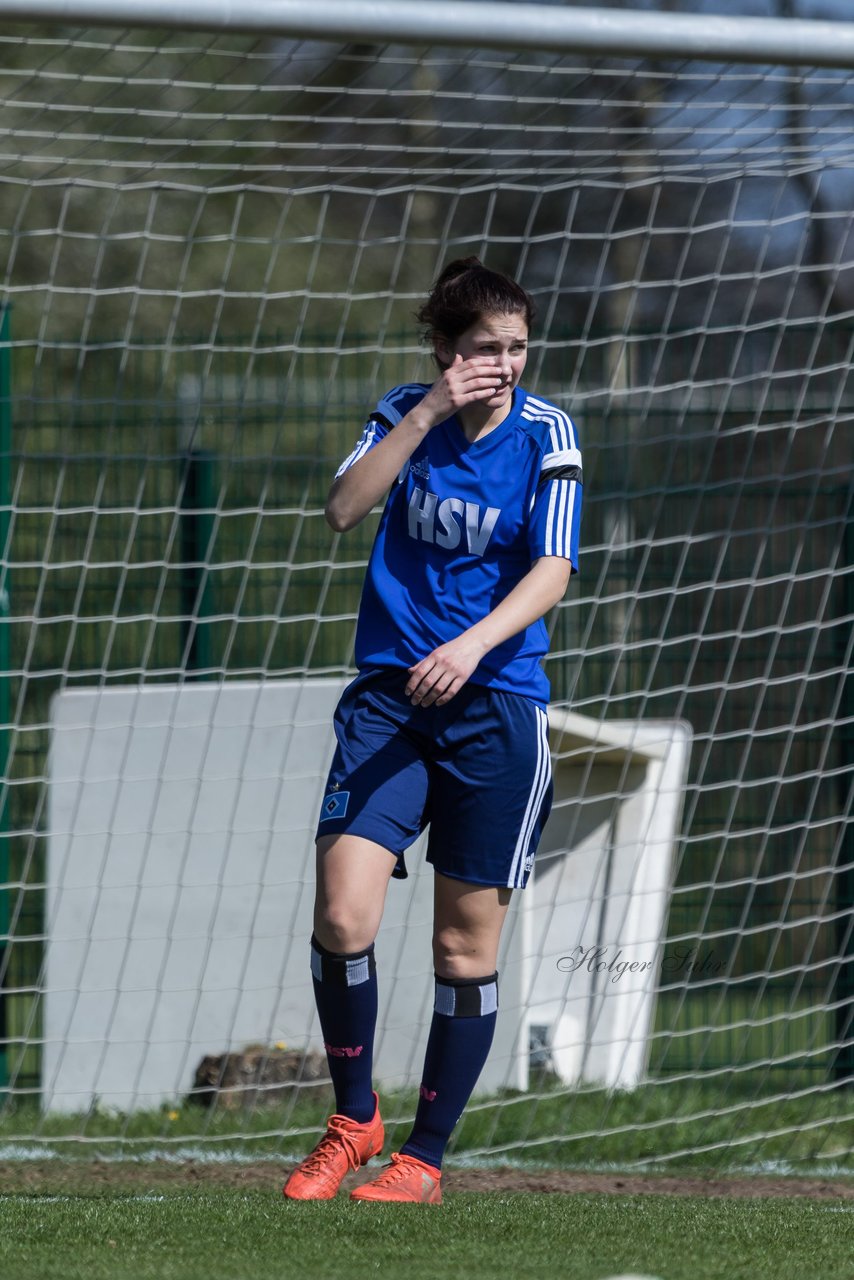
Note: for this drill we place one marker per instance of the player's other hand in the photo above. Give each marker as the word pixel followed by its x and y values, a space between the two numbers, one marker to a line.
pixel 464 382
pixel 443 672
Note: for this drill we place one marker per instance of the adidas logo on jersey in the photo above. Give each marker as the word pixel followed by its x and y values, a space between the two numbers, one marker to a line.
pixel 444 523
pixel 420 468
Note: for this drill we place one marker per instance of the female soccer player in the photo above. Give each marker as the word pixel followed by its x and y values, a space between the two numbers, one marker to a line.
pixel 446 721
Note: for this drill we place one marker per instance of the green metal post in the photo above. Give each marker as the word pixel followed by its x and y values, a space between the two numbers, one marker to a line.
pixel 5 664
pixel 844 995
pixel 197 522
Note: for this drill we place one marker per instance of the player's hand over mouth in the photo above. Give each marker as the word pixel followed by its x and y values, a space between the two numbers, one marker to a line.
pixel 464 382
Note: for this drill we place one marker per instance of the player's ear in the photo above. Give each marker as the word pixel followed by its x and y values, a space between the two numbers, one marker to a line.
pixel 443 352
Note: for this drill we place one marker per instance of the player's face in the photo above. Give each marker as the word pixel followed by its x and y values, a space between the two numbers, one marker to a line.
pixel 502 337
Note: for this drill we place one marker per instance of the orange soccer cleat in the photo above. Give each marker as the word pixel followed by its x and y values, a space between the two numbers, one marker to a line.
pixel 405 1181
pixel 345 1145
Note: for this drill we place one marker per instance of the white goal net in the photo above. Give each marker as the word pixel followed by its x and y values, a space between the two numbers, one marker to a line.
pixel 211 249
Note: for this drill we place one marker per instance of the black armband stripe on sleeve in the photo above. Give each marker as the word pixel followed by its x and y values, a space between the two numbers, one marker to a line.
pixel 382 420
pixel 561 473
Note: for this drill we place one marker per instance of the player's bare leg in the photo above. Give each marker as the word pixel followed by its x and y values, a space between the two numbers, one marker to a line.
pixel 352 879
pixel 467 924
pixel 467 928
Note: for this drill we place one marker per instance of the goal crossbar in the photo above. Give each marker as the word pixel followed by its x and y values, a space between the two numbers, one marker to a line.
pixel 608 32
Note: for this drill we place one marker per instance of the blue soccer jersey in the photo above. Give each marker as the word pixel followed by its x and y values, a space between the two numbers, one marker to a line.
pixel 462 525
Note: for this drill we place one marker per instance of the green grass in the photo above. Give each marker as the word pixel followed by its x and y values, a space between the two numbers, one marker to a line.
pixel 713 1124
pixel 238 1235
pixel 82 1215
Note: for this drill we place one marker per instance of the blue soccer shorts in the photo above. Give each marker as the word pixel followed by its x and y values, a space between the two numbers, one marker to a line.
pixel 477 770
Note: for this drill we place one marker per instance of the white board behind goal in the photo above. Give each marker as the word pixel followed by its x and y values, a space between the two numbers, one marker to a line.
pixel 180 884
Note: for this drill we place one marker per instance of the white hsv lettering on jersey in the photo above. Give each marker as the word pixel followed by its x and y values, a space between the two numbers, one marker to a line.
pixel 426 512
pixel 421 514
pixel 446 512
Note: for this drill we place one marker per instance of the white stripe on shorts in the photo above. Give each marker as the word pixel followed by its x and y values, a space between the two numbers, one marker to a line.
pixel 542 776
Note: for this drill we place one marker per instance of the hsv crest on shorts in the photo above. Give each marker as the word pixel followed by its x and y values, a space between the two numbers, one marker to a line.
pixel 334 805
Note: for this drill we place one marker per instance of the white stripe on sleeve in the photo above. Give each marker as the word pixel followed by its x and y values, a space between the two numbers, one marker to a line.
pixel 560 525
pixel 550 519
pixel 551 413
pixel 372 434
pixel 561 458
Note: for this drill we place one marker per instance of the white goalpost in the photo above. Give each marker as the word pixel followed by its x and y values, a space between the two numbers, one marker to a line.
pixel 215 227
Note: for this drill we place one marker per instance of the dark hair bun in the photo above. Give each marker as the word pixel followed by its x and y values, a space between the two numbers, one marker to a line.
pixel 457 268
pixel 464 292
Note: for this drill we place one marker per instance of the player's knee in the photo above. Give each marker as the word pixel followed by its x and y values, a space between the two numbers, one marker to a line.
pixel 339 929
pixel 457 954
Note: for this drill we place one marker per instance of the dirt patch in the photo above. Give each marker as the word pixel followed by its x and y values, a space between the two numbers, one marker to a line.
pixel 567 1183
pixel 98 1177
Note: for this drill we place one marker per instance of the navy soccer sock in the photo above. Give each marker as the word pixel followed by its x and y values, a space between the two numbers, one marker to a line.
pixel 345 990
pixel 460 1037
